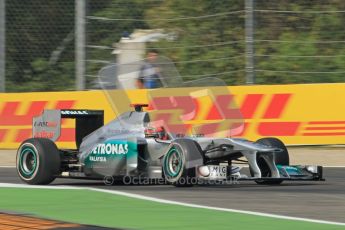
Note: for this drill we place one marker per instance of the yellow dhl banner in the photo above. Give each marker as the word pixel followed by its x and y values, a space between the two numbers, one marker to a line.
pixel 297 114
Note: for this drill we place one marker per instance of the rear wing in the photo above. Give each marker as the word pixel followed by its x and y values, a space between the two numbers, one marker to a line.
pixel 48 124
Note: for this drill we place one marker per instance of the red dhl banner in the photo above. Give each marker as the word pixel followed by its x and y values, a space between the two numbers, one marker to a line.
pixel 297 114
pixel 18 109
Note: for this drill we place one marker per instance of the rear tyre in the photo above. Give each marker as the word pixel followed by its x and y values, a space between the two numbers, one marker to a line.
pixel 281 158
pixel 38 161
pixel 180 161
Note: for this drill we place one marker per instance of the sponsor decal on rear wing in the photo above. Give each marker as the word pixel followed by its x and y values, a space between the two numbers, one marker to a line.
pixel 48 124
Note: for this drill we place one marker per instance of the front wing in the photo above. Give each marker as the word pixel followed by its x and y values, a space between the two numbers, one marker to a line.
pixel 288 173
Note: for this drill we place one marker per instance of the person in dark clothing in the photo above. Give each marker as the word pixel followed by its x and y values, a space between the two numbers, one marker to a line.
pixel 149 76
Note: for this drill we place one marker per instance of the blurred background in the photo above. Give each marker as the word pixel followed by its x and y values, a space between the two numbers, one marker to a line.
pixel 60 45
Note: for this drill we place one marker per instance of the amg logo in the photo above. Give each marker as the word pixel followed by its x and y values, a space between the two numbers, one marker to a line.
pixel 73 112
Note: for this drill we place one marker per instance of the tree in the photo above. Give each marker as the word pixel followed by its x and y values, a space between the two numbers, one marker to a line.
pixel 34 30
pixel 209 37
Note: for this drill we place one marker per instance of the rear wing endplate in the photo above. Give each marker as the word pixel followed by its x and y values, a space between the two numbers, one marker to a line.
pixel 48 124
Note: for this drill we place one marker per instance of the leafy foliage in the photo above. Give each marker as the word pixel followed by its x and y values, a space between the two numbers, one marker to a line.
pixel 298 42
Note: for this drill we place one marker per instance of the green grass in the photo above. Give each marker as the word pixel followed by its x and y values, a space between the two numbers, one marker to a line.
pixel 96 208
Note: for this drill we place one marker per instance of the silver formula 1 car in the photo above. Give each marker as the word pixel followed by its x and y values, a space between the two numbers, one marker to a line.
pixel 129 147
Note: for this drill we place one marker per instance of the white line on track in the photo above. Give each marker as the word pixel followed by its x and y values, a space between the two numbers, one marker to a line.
pixel 334 166
pixel 164 201
pixel 327 166
pixel 10 185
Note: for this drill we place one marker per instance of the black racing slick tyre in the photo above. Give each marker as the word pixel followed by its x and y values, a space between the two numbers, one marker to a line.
pixel 281 158
pixel 38 161
pixel 180 161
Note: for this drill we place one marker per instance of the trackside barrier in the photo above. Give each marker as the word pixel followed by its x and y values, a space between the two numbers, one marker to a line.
pixel 297 114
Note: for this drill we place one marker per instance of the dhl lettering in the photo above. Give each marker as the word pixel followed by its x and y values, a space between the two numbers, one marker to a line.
pixel 324 128
pixel 3 133
pixel 250 105
pixel 23 134
pixel 235 131
pixel 264 114
pixel 231 128
pixel 175 109
pixel 178 109
pixel 278 128
pixel 64 104
pixel 223 109
pixel 326 122
pixel 325 134
pixel 281 111
pixel 186 104
pixel 9 117
pixel 277 105
pixel 8 114
pixel 171 123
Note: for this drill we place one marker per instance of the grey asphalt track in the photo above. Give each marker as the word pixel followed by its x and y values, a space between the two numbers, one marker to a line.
pixel 316 200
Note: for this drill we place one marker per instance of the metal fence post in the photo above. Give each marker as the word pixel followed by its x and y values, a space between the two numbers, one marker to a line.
pixel 249 33
pixel 2 46
pixel 80 43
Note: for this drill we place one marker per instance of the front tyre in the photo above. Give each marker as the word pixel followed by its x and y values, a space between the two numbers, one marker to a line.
pixel 180 161
pixel 281 158
pixel 38 161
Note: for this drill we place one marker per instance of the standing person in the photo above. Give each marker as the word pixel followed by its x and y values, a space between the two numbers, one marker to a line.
pixel 149 76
